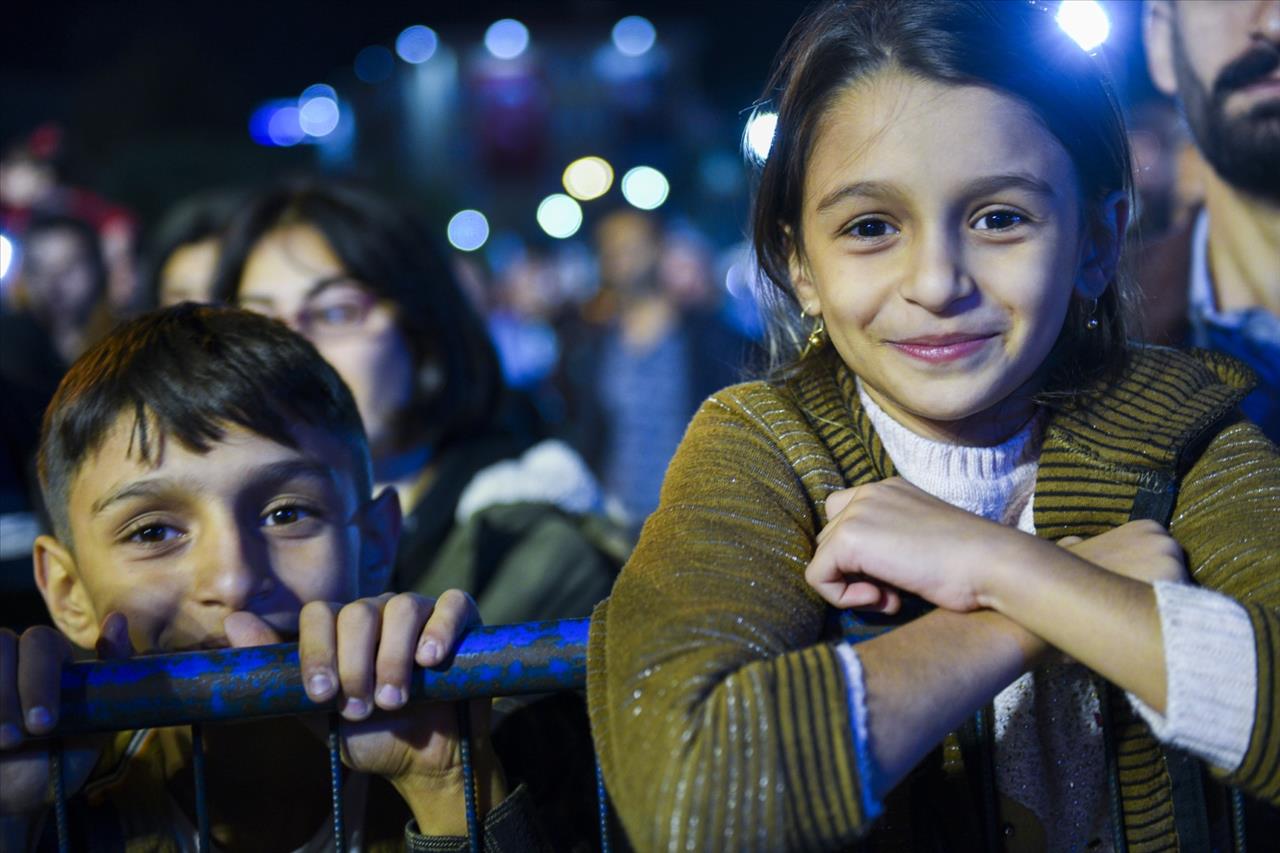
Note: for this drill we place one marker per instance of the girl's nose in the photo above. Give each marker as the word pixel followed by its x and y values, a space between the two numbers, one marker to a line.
pixel 937 278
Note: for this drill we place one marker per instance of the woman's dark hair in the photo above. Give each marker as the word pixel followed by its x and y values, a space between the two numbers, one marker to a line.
pixel 193 220
pixel 385 247
pixel 187 372
pixel 1014 47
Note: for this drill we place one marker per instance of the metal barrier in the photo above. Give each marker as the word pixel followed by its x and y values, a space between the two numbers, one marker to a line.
pixel 192 688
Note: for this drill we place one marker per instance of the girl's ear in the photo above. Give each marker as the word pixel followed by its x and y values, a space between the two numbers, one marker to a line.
pixel 64 593
pixel 379 536
pixel 1100 254
pixel 802 281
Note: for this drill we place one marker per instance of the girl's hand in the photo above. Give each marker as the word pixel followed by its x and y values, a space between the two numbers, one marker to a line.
pixel 364 653
pixel 1142 550
pixel 891 534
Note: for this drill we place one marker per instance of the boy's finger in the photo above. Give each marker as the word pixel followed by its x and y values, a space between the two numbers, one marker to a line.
pixel 113 637
pixel 10 708
pixel 455 611
pixel 247 629
pixel 41 654
pixel 359 626
pixel 402 621
pixel 318 649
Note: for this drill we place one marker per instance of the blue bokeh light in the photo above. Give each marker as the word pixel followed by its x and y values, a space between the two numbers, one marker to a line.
pixel 417 44
pixel 1085 21
pixel 468 230
pixel 507 38
pixel 634 35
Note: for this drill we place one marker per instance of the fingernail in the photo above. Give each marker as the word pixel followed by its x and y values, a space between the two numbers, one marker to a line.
pixel 319 684
pixel 429 652
pixel 39 719
pixel 391 697
pixel 10 735
pixel 354 708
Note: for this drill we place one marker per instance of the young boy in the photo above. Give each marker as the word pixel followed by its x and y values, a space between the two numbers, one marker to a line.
pixel 208 481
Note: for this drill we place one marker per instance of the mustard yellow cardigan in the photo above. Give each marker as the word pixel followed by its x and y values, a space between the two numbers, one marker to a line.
pixel 718 706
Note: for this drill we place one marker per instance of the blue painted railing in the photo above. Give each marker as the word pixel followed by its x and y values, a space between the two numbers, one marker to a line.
pixel 193 688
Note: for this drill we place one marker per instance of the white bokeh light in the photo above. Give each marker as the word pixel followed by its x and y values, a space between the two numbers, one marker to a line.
pixel 507 38
pixel 645 187
pixel 417 44
pixel 1085 21
pixel 559 216
pixel 318 116
pixel 587 178
pixel 468 230
pixel 758 136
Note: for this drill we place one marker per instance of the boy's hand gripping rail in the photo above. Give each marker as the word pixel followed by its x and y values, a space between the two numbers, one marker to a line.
pixel 231 684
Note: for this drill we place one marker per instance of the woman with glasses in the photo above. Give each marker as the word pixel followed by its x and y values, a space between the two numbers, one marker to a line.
pixel 486 508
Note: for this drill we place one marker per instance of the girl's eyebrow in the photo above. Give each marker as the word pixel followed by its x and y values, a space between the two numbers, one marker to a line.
pixel 984 185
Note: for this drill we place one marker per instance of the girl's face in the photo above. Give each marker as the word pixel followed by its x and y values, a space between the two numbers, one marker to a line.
pixel 293 275
pixel 942 243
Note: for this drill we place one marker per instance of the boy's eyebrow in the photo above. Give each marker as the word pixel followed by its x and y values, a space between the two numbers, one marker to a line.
pixel 272 474
pixel 978 186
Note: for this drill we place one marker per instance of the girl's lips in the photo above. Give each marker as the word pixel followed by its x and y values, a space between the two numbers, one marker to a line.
pixel 942 348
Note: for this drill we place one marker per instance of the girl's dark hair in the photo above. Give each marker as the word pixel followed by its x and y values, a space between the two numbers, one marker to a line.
pixel 187 372
pixel 386 248
pixel 193 220
pixel 1010 45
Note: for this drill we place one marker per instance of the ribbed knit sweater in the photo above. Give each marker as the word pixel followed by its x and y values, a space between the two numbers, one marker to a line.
pixel 717 697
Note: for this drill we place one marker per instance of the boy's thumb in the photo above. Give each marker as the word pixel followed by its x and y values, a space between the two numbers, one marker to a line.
pixel 113 637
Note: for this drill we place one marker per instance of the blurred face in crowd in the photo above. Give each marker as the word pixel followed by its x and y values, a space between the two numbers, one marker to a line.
pixel 58 274
pixel 1221 59
pixel 293 275
pixel 179 542
pixel 942 264
pixel 628 244
pixel 187 274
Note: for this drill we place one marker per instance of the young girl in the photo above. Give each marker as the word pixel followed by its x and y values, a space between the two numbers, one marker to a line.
pixel 944 206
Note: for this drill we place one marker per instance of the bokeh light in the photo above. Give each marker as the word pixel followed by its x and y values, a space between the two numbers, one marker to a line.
pixel 318 116
pixel 634 35
pixel 468 230
pixel 507 38
pixel 284 127
pixel 417 44
pixel 588 177
pixel 317 90
pixel 758 138
pixel 645 187
pixel 374 64
pixel 559 216
pixel 1085 21
pixel 7 253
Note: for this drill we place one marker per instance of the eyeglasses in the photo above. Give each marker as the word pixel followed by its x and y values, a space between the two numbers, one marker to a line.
pixel 334 309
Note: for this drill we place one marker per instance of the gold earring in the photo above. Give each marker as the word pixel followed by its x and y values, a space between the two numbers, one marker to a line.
pixel 817 335
pixel 1091 324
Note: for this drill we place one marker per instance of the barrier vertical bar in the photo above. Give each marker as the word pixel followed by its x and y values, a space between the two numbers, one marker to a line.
pixel 202 791
pixel 474 842
pixel 335 785
pixel 59 797
pixel 602 801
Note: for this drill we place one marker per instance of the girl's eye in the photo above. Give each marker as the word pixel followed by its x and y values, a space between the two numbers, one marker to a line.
pixel 871 229
pixel 283 515
pixel 152 534
pixel 999 220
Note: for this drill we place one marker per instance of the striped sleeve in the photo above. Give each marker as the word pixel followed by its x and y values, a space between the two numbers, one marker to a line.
pixel 1228 521
pixel 720 717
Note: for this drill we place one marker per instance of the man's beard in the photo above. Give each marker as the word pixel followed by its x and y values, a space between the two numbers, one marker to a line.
pixel 1244 150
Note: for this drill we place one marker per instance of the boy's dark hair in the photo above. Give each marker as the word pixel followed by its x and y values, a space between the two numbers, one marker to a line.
pixel 188 372
pixel 387 249
pixel 1014 47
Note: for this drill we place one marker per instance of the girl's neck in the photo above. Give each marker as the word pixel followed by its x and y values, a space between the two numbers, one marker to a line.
pixel 408 471
pixel 987 428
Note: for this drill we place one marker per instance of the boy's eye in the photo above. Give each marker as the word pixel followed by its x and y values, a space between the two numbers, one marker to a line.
pixel 999 220
pixel 870 229
pixel 285 515
pixel 152 534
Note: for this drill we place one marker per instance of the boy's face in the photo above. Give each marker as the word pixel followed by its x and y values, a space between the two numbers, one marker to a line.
pixel 178 544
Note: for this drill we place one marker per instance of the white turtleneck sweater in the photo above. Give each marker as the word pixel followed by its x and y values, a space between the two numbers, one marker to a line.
pixel 1049 752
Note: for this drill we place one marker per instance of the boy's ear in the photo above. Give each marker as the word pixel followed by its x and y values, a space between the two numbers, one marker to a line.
pixel 64 594
pixel 379 536
pixel 1100 254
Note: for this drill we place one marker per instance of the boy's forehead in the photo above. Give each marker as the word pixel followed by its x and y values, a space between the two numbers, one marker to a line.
pixel 122 458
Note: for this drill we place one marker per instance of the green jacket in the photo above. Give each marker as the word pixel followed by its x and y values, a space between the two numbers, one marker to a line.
pixel 717 702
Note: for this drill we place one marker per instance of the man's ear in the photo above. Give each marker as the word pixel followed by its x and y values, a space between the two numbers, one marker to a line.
pixel 379 536
pixel 1157 37
pixel 64 593
pixel 1100 254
